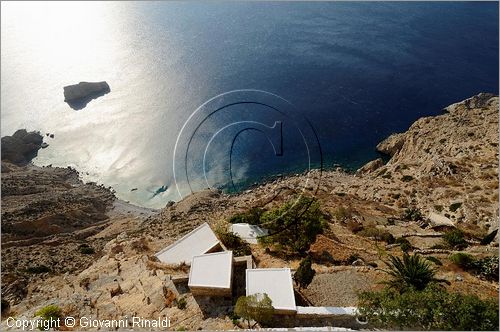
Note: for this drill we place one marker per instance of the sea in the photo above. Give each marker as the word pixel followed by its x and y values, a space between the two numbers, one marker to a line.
pixel 229 94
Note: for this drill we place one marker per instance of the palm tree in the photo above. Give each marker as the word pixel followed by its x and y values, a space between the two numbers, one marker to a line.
pixel 410 272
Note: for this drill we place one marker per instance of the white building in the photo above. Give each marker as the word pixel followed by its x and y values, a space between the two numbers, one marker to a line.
pixel 211 274
pixel 277 284
pixel 248 232
pixel 199 241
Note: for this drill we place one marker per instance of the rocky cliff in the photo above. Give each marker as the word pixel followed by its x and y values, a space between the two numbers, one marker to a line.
pixel 443 168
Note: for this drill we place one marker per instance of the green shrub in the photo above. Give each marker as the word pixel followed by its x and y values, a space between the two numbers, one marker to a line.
pixel 377 234
pixel 455 206
pixel 410 272
pixel 294 226
pixel 455 239
pixel 404 244
pixel 439 246
pixel 50 311
pixel 258 307
pixel 462 259
pixel 486 267
pixel 38 269
pixel 434 260
pixel 86 249
pixel 233 242
pixel 430 309
pixel 182 303
pixel 342 213
pixel 412 214
pixel 304 274
pixel 251 217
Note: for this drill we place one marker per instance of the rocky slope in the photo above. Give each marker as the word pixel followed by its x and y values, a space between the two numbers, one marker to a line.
pixel 446 165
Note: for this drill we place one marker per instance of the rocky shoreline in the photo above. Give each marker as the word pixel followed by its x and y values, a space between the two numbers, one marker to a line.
pixel 445 166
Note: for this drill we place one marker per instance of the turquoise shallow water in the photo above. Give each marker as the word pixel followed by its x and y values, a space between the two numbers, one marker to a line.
pixel 356 71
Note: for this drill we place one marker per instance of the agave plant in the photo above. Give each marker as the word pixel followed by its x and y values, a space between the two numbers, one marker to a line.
pixel 413 271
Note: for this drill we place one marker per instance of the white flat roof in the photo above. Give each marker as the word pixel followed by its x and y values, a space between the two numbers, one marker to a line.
pixel 199 241
pixel 276 283
pixel 211 270
pixel 330 311
pixel 248 232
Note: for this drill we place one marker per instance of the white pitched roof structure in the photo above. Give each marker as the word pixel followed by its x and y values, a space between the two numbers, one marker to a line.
pixel 199 241
pixel 248 232
pixel 276 283
pixel 212 270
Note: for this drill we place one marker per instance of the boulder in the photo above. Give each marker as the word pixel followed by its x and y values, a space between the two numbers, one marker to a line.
pixel 79 95
pixel 21 147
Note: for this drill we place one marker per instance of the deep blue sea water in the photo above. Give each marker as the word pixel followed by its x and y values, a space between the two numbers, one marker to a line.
pixel 356 71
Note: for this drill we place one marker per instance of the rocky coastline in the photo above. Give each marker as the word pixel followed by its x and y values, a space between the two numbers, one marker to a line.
pixel 444 166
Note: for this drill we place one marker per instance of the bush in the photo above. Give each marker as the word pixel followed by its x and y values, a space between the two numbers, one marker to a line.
pixel 377 234
pixel 293 226
pixel 233 242
pixel 455 239
pixel 86 249
pixel 342 213
pixel 251 217
pixel 404 244
pixel 304 274
pixel 462 259
pixel 38 269
pixel 352 259
pixel 258 307
pixel 455 206
pixel 49 313
pixel 407 178
pixel 411 272
pixel 487 268
pixel 182 303
pixel 412 214
pixel 430 309
pixel 434 260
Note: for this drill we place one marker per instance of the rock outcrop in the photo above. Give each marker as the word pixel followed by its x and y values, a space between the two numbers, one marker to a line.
pixel 392 144
pixel 78 95
pixel 371 166
pixel 21 147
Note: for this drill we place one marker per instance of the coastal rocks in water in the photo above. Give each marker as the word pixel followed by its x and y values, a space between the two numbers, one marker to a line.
pixel 21 147
pixel 371 166
pixel 392 144
pixel 79 95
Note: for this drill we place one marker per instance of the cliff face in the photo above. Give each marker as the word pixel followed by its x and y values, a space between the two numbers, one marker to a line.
pixel 445 166
pixel 446 159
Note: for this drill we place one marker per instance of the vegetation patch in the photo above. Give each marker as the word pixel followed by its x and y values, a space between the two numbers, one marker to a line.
pixel 233 242
pixel 455 239
pixel 251 217
pixel 455 206
pixel 430 309
pixel 294 226
pixel 38 269
pixel 257 307
pixel 305 273
pixel 86 249
pixel 412 214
